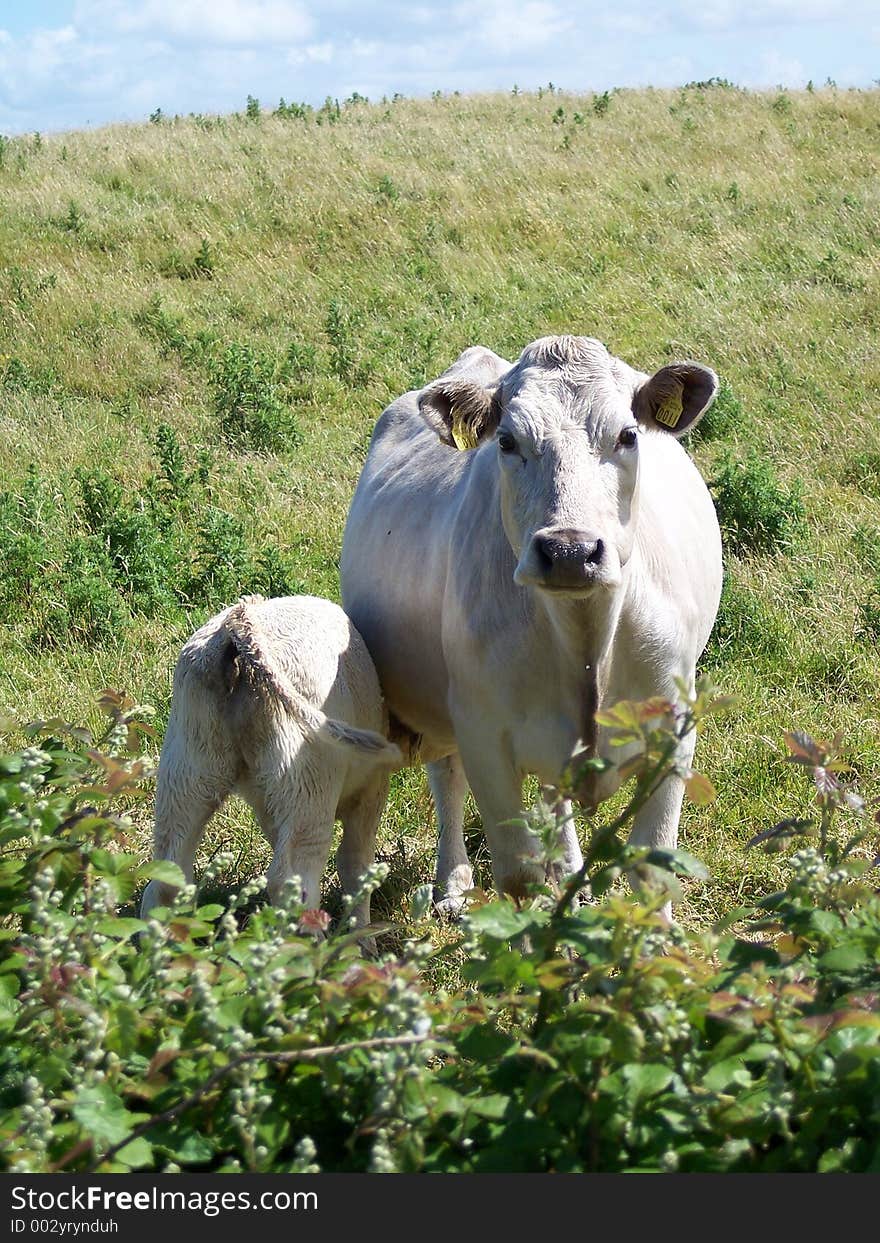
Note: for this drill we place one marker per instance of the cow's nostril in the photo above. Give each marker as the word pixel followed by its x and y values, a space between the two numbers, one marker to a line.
pixel 546 552
pixel 595 552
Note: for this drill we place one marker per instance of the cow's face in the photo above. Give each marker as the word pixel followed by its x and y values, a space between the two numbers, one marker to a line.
pixel 567 421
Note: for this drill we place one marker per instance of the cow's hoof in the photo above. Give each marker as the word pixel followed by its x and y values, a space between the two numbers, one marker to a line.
pixel 451 907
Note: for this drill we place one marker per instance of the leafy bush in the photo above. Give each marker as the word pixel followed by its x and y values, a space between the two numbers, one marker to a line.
pixel 757 513
pixel 249 401
pixel 585 1037
pixel 81 569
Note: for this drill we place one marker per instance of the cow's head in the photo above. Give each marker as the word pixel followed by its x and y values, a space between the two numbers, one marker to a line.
pixel 567 421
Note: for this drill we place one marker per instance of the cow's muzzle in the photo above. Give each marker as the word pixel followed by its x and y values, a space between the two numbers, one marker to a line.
pixel 561 559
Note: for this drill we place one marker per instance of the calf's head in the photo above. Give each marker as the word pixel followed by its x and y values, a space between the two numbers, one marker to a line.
pixel 567 421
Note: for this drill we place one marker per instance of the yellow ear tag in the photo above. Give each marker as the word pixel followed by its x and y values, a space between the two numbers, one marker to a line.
pixel 669 411
pixel 463 436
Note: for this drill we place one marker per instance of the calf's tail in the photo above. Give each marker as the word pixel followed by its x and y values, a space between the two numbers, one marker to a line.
pixel 253 649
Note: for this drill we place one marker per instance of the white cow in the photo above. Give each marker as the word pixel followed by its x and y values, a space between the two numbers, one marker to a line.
pixel 276 700
pixel 570 559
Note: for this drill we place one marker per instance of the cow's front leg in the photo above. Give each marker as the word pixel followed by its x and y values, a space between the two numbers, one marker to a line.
pixel 656 824
pixel 497 789
pixel 572 857
pixel 454 875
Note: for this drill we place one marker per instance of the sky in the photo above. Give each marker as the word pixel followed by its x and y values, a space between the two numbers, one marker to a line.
pixel 66 64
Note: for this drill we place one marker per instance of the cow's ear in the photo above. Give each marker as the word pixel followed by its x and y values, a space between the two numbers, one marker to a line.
pixel 460 412
pixel 676 397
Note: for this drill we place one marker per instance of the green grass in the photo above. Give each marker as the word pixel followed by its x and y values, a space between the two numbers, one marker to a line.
pixel 263 285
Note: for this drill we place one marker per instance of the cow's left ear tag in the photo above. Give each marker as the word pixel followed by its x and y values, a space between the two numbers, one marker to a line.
pixel 669 411
pixel 462 435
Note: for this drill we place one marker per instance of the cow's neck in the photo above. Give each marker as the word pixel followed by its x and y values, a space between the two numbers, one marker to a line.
pixel 584 630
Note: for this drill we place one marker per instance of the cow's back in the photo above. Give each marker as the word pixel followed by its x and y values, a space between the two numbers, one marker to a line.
pixel 394 563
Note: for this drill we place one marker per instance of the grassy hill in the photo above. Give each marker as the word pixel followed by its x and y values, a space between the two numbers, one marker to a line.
pixel 201 319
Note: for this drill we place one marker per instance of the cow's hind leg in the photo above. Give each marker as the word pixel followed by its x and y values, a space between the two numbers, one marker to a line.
pixel 360 817
pixel 191 784
pixel 454 876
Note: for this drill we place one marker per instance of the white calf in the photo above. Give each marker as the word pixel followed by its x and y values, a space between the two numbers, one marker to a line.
pixel 245 719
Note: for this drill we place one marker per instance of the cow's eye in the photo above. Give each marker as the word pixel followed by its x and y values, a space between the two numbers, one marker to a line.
pixel 506 442
pixel 627 438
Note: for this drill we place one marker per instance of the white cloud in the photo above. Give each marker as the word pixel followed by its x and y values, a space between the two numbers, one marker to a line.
pixel 313 53
pixel 508 25
pixel 233 22
pixel 775 68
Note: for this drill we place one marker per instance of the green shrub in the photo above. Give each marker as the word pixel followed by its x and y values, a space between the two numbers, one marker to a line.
pixel 250 403
pixel 292 111
pixel 757 513
pixel 198 267
pixel 82 605
pixel 24 543
pixel 341 328
pixel 80 567
pixel 590 1037
pixel 162 326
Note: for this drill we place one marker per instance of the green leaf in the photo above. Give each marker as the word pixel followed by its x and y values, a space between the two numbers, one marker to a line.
pixel 136 1155
pixel 503 920
pixel 485 1043
pixel 211 911
pixel 420 902
pixel 162 870
pixel 111 864
pixel 185 1147
pixel 646 1079
pixel 844 958
pixel 826 922
pixel 492 1105
pixel 722 1074
pixel 700 789
pixel 102 1115
pixel 679 862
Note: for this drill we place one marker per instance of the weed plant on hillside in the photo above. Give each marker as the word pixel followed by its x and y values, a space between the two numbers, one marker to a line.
pixel 584 1037
pixel 757 513
pixel 251 408
pixel 81 568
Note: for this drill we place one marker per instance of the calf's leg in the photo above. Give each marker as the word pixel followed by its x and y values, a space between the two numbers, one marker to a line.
pixel 191 784
pixel 297 809
pixel 360 817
